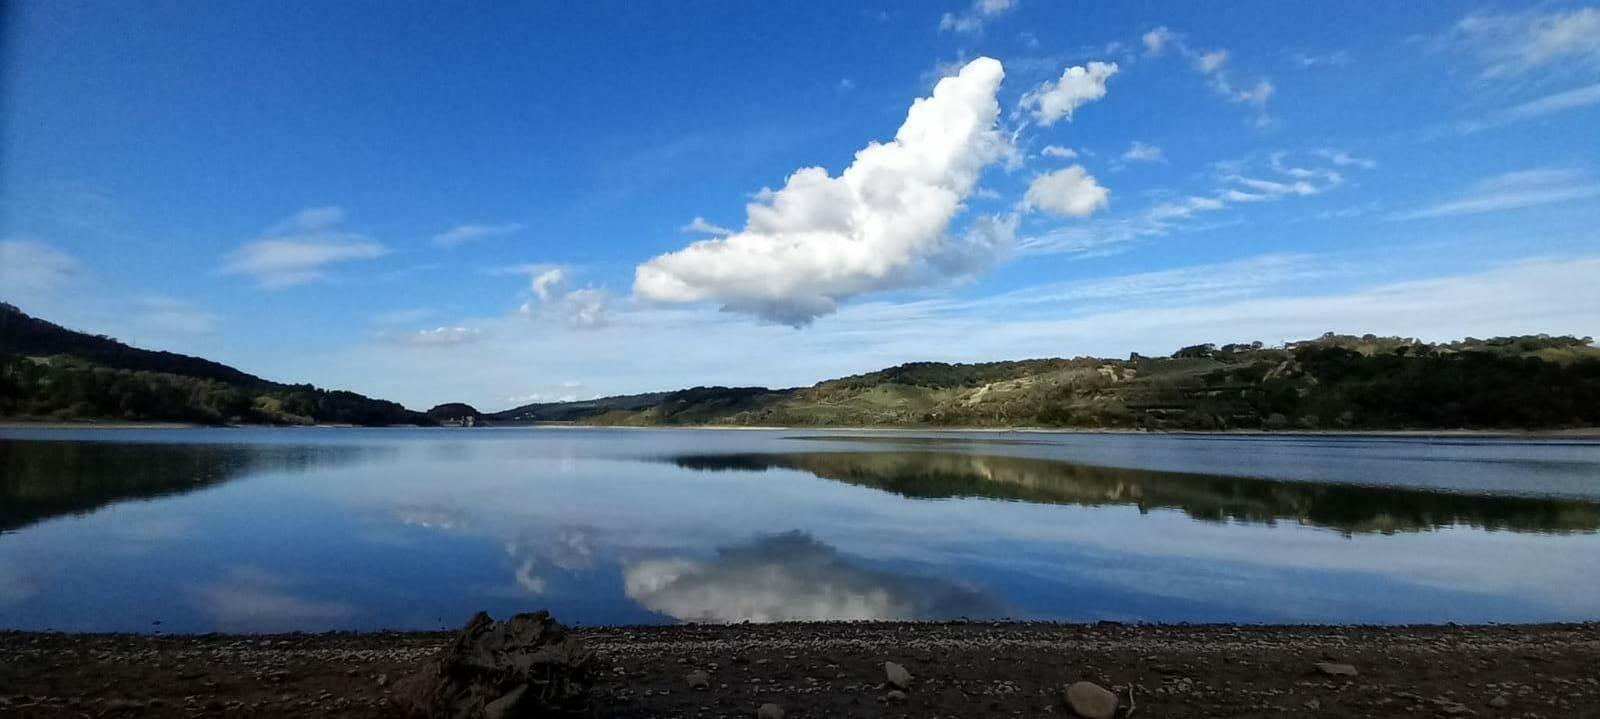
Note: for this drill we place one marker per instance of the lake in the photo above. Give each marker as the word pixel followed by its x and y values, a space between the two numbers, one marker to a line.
pixel 269 529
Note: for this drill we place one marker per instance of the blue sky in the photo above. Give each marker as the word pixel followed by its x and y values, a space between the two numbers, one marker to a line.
pixel 505 203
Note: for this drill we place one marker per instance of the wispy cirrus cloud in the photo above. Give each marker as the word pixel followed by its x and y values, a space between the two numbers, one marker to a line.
pixel 172 315
pixel 300 249
pixel 700 226
pixel 1230 279
pixel 442 337
pixel 1512 44
pixel 402 316
pixel 29 266
pixel 973 20
pixel 1236 182
pixel 1216 66
pixel 461 234
pixel 1574 99
pixel 1141 152
pixel 1511 191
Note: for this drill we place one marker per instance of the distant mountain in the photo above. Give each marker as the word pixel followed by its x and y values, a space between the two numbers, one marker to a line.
pixel 573 411
pixel 1332 382
pixel 50 372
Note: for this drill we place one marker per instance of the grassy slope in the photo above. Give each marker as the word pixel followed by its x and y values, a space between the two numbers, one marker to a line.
pixel 1307 385
pixel 50 372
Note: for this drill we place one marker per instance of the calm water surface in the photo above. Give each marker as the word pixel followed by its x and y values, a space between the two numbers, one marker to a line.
pixel 314 529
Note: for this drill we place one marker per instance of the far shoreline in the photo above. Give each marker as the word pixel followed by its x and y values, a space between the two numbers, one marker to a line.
pixel 1566 433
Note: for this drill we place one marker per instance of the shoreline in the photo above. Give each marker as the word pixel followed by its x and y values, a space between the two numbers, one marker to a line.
pixel 1569 433
pixel 836 669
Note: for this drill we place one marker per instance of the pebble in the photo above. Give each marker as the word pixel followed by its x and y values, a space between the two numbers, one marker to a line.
pixel 897 675
pixel 1335 669
pixel 1091 701
pixel 895 696
pixel 697 680
pixel 769 711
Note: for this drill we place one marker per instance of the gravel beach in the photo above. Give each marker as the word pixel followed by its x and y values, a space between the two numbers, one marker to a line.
pixel 834 669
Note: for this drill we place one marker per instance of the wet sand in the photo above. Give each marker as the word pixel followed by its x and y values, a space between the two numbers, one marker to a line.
pixel 833 669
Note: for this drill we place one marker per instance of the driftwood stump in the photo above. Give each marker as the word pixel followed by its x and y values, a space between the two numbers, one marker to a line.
pixel 526 666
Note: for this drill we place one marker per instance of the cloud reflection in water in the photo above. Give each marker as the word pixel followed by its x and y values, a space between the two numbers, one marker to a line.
pixel 794 577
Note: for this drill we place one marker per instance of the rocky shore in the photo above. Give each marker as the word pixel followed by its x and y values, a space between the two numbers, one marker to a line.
pixel 825 670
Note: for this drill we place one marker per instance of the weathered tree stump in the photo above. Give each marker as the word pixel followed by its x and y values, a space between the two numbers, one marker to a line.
pixel 526 666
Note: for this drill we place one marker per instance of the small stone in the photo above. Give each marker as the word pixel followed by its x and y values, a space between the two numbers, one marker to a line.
pixel 383 680
pixel 697 680
pixel 769 711
pixel 1500 702
pixel 1335 669
pixel 1313 705
pixel 1091 701
pixel 895 696
pixel 897 675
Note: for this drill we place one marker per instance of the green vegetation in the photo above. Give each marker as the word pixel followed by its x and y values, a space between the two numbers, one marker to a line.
pixel 50 372
pixel 1333 382
pixel 454 413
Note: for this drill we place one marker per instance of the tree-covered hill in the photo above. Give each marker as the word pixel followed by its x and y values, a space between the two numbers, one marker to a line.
pixel 1332 382
pixel 50 372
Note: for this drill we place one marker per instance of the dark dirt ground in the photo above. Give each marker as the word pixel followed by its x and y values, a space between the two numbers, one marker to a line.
pixel 818 670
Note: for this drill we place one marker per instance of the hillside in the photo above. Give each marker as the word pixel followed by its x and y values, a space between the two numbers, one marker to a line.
pixel 50 372
pixel 1332 382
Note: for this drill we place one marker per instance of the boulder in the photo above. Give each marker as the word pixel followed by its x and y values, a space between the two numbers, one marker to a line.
pixel 1091 701
pixel 897 675
pixel 528 665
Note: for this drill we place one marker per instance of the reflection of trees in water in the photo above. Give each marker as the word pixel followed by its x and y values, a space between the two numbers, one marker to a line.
pixel 1348 508
pixel 40 480
pixel 794 577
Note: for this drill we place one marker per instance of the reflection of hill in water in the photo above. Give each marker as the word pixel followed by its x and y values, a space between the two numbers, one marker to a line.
pixel 40 480
pixel 1348 508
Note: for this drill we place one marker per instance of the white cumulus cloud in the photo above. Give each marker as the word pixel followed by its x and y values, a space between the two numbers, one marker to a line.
pixel 1070 191
pixel 585 307
pixel 544 283
pixel 300 249
pixel 882 223
pixel 1079 85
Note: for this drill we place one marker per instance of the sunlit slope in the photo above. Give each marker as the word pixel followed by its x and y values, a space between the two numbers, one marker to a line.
pixel 1333 382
